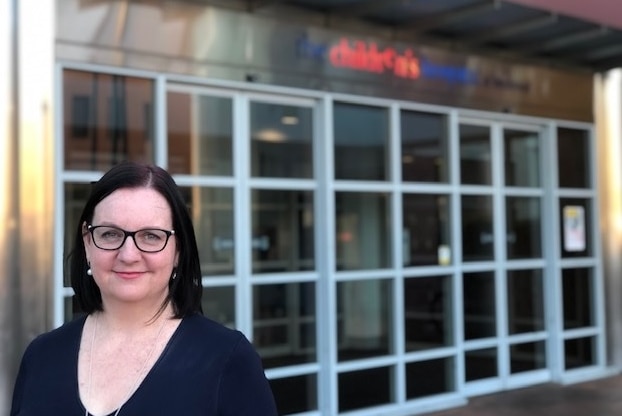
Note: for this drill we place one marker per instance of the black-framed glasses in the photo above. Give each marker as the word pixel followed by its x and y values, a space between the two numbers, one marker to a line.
pixel 148 240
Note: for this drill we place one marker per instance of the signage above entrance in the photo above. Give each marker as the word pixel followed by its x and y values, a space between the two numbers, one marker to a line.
pixel 360 55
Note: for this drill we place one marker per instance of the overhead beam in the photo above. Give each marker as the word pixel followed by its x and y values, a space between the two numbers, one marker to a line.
pixel 364 7
pixel 562 41
pixel 254 5
pixel 511 29
pixel 422 25
pixel 604 52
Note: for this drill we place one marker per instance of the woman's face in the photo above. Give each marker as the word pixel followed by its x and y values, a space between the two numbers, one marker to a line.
pixel 127 274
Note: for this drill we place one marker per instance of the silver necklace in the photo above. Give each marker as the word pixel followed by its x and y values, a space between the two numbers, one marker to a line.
pixel 138 376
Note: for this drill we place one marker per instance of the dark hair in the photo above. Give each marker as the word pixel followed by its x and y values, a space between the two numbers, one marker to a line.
pixel 185 290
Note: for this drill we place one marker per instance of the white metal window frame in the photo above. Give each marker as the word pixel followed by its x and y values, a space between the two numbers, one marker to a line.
pixel 324 188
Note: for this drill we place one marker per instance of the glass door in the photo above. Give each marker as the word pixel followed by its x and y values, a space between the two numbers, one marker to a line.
pixel 278 189
pixel 502 201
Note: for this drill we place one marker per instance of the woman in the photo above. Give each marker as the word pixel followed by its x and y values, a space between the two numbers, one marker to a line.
pixel 143 347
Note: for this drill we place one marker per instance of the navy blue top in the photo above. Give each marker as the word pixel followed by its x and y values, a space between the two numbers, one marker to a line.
pixel 205 369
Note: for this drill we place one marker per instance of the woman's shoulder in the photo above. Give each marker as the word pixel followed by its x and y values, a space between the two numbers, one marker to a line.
pixel 62 334
pixel 203 330
pixel 61 339
pixel 201 325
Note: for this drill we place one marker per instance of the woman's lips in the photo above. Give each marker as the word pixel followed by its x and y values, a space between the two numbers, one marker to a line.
pixel 129 275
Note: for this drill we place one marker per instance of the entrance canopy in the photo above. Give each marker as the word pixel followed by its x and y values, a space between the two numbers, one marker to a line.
pixel 549 33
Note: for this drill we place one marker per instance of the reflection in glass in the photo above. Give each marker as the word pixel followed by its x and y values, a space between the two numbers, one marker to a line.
pixel 296 394
pixel 573 158
pixel 427 378
pixel 365 388
pixel 283 231
pixel 363 319
pixel 475 155
pixel 284 323
pixel 361 135
pixel 522 158
pixel 71 309
pixel 212 215
pixel 524 235
pixel 479 305
pixel 579 352
pixel 527 356
pixel 425 139
pixel 428 314
pixel 477 231
pixel 75 197
pixel 107 119
pixel 426 229
pixel 363 236
pixel 480 364
pixel 200 131
pixel 219 304
pixel 575 227
pixel 525 293
pixel 578 298
pixel 281 141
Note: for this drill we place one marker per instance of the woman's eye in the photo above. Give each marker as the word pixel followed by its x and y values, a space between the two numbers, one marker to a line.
pixel 151 236
pixel 110 234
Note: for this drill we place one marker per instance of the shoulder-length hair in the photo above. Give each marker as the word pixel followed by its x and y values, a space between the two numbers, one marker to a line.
pixel 185 290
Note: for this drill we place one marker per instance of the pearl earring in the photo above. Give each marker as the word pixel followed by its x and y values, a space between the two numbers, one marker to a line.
pixel 174 275
pixel 89 272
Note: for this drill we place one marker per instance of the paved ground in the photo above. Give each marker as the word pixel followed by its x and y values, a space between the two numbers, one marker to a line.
pixel 601 397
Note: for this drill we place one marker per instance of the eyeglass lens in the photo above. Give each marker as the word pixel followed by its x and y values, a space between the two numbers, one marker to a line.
pixel 112 238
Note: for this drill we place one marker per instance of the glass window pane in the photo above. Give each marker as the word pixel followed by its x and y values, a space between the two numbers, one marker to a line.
pixel 427 378
pixel 573 158
pixel 426 230
pixel 76 195
pixel 479 305
pixel 295 394
pixel 578 298
pixel 428 314
pixel 475 155
pixel 425 139
pixel 219 304
pixel 363 224
pixel 364 326
pixel 356 389
pixel 579 352
pixel 283 231
pixel 522 158
pixel 281 141
pixel 524 235
pixel 576 233
pixel 527 356
pixel 107 119
pixel 525 292
pixel 199 134
pixel 477 231
pixel 284 323
pixel 480 364
pixel 71 309
pixel 361 135
pixel 212 216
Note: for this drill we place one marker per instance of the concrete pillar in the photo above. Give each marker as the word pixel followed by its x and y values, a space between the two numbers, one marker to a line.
pixel 26 180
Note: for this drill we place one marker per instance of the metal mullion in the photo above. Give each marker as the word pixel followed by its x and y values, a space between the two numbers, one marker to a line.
pixel 160 125
pixel 242 216
pixel 553 291
pixel 325 247
pixel 398 277
pixel 500 248
pixel 599 298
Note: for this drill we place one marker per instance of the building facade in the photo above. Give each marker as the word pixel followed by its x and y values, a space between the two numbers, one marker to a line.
pixel 396 227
